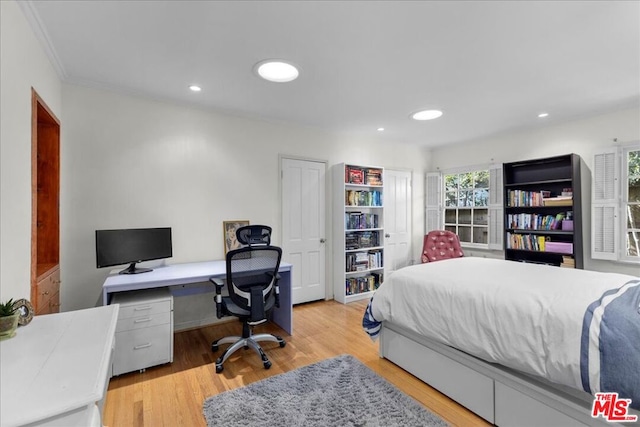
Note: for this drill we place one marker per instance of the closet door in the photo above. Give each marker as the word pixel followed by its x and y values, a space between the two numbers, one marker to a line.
pixel 397 219
pixel 303 227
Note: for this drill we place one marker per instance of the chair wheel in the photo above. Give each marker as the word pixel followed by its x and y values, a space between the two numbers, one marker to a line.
pixel 214 347
pixel 267 364
pixel 219 368
pixel 282 343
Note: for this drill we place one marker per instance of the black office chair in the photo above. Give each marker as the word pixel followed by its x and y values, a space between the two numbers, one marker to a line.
pixel 252 281
pixel 251 235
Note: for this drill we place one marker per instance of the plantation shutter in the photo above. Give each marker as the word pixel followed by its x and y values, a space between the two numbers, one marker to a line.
pixel 604 205
pixel 496 214
pixel 433 202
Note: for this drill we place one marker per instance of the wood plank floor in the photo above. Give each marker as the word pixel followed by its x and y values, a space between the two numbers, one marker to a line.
pixel 172 394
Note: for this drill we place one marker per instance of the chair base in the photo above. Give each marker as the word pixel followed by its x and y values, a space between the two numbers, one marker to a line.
pixel 240 342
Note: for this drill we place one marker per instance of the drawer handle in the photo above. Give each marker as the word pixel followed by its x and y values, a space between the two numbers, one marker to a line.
pixel 146 319
pixel 146 307
pixel 45 293
pixel 141 346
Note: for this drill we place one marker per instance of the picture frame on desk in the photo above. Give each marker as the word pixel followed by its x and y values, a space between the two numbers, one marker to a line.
pixel 229 234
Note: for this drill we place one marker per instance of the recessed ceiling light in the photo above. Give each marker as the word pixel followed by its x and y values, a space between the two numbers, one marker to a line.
pixel 380 129
pixel 275 70
pixel 426 115
pixel 541 115
pixel 195 88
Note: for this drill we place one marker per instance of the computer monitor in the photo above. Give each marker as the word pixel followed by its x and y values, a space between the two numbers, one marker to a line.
pixel 129 246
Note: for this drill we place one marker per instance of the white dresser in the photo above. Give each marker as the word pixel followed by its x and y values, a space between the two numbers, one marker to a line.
pixel 55 371
pixel 144 332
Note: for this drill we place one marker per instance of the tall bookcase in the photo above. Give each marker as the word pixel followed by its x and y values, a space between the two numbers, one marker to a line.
pixel 358 255
pixel 543 211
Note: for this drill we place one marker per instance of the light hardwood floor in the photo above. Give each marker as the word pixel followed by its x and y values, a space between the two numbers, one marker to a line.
pixel 172 394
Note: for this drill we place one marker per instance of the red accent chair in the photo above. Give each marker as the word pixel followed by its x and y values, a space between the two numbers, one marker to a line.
pixel 439 245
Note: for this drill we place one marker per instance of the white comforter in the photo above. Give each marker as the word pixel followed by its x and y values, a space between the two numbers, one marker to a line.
pixel 523 316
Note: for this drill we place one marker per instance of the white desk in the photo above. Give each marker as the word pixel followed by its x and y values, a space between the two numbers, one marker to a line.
pixel 56 369
pixel 182 274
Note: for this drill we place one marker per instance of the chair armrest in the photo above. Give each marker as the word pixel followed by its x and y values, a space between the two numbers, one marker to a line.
pixel 219 284
pixel 276 292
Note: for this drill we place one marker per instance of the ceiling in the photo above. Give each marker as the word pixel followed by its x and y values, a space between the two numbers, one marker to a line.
pixel 491 66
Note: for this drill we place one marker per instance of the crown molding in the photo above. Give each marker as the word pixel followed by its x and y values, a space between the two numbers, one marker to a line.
pixel 31 14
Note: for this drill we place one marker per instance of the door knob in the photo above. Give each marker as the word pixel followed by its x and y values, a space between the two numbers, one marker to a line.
pixel 322 240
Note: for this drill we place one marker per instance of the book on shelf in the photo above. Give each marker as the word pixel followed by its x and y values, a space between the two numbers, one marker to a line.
pixel 522 198
pixel 568 262
pixel 527 242
pixel 360 220
pixel 363 198
pixel 526 221
pixel 358 285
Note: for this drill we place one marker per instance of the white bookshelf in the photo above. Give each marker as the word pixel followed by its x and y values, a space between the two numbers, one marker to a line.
pixel 358 255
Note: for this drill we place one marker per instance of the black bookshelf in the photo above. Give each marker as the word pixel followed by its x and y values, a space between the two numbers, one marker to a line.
pixel 542 218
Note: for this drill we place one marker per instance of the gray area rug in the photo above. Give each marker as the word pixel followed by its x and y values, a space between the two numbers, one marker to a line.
pixel 335 392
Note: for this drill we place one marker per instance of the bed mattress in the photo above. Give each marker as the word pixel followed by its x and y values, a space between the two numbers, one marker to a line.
pixel 541 320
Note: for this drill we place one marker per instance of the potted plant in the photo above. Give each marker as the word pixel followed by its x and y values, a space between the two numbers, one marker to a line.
pixel 8 319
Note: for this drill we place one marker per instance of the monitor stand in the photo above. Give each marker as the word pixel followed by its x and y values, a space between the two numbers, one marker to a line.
pixel 132 269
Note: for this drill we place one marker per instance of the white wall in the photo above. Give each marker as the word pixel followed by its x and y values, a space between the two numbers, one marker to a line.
pixel 582 136
pixel 23 65
pixel 134 162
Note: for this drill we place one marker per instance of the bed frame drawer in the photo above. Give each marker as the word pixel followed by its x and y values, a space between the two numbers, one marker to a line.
pixel 514 408
pixel 442 373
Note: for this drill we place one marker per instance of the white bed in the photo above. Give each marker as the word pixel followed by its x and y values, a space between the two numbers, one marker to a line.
pixel 503 338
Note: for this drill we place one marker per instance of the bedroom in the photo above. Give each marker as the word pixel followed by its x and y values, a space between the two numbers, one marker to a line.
pixel 131 172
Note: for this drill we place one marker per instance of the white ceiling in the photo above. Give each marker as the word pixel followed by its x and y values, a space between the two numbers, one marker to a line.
pixel 491 66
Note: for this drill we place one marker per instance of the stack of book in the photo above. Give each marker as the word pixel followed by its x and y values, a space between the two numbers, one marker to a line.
pixel 373 176
pixel 568 262
pixel 362 261
pixel 362 239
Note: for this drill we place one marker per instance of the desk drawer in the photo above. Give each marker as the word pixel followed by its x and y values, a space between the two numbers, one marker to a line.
pixel 142 348
pixel 144 321
pixel 143 309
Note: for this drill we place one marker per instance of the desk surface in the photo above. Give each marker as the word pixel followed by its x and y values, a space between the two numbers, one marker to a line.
pixel 195 272
pixel 174 274
pixel 56 364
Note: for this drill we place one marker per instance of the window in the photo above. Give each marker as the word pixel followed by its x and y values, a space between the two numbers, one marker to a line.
pixel 466 200
pixel 469 203
pixel 631 203
pixel 615 216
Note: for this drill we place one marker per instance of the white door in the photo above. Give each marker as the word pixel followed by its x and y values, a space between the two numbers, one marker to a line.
pixel 397 220
pixel 303 227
